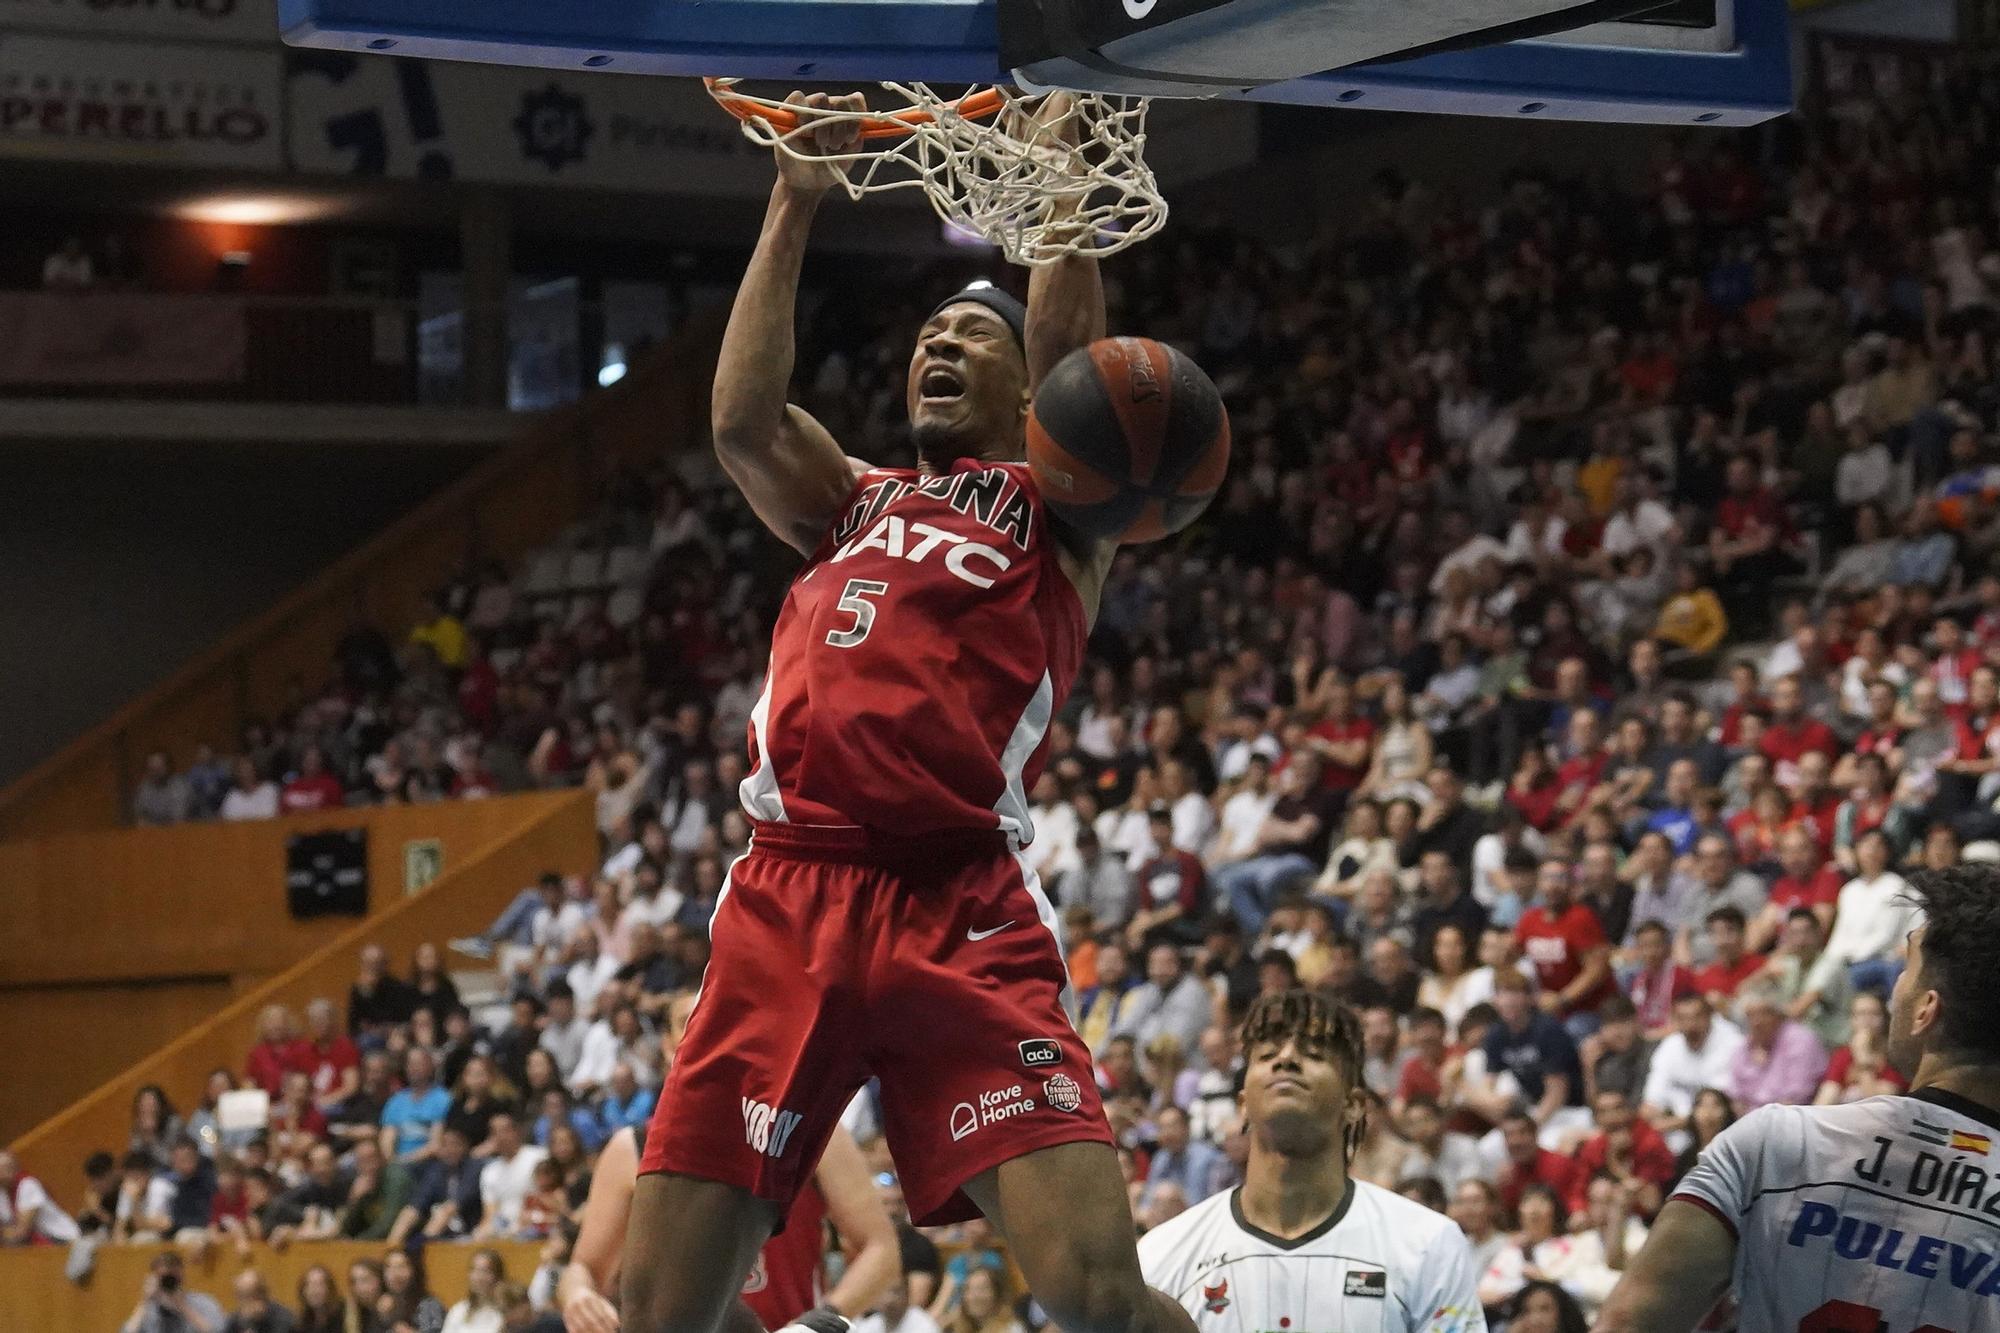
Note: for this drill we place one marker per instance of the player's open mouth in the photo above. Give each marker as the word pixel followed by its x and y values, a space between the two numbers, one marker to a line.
pixel 940 385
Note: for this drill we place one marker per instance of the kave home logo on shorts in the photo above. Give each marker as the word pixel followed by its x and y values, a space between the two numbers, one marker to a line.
pixel 993 1107
pixel 768 1129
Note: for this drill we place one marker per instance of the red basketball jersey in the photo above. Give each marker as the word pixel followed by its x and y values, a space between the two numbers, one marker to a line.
pixel 918 659
pixel 784 1284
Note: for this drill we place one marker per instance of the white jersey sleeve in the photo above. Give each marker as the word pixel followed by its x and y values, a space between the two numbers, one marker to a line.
pixel 1883 1215
pixel 1445 1287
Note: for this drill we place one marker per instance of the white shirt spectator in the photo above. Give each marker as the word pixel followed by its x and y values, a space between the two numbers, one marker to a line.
pixel 1873 917
pixel 1467 556
pixel 30 1200
pixel 1129 833
pixel 1054 848
pixel 1457 1161
pixel 158 1198
pixel 1862 475
pixel 1676 1073
pixel 1243 816
pixel 504 1185
pixel 564 1041
pixel 587 977
pixel 260 802
pixel 1648 524
pixel 1194 822
pixel 553 931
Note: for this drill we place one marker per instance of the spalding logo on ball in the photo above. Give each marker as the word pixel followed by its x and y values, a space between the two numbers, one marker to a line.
pixel 1128 440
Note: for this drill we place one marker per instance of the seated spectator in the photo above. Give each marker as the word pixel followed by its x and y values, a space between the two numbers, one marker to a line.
pixel 1732 965
pixel 1617 1056
pixel 1170 889
pixel 155 1126
pixel 28 1216
pixel 446 1203
pixel 320 1308
pixel 1530 1167
pixel 430 986
pixel 1564 942
pixel 161 796
pixel 360 1116
pixel 1861 1069
pixel 1381 1156
pixel 1449 1158
pixel 250 796
pixel 1449 986
pixel 1717 882
pixel 620 1038
pixel 1811 985
pixel 507 1178
pixel 1475 1206
pixel 255 1311
pixel 1627 1149
pixel 1289 847
pixel 312 787
pixel 557 1108
pixel 480 1311
pixel 332 1060
pixel 1874 916
pixel 381 1189
pixel 377 1001
pixel 193 1179
pixel 144 1195
pixel 1529 1057
pixel 1780 1060
pixel 1101 1008
pixel 413 1116
pixel 1198 1169
pixel 1172 1000
pixel 406 1292
pixel 1654 981
pixel 1699 1053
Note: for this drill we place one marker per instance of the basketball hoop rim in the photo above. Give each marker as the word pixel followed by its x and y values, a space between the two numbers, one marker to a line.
pixel 784 120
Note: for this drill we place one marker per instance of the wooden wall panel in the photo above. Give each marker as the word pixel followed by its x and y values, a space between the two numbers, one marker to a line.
pixel 76 1037
pixel 201 900
pixel 35 1297
pixel 563 837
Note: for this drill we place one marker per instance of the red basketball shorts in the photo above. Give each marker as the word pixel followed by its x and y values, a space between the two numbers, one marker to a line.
pixel 932 966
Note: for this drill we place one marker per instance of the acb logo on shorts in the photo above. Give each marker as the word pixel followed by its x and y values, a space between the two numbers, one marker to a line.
pixel 1039 1052
pixel 1063 1093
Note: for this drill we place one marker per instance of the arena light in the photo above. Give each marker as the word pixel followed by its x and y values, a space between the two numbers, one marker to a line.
pixel 613 368
pixel 258 210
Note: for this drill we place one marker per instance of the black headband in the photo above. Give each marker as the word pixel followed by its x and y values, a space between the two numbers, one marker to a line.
pixel 1010 311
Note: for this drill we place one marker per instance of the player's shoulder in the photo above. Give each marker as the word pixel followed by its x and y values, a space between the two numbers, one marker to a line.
pixel 1179 1238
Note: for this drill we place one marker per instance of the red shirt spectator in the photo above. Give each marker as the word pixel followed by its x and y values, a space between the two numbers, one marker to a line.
pixel 1758 505
pixel 1551 1169
pixel 1342 726
pixel 1649 1158
pixel 328 1061
pixel 1653 992
pixel 1786 739
pixel 277 1052
pixel 1821 888
pixel 1557 936
pixel 313 788
pixel 1720 978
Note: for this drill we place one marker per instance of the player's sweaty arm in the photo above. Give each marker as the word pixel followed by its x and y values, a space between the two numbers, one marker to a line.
pixel 788 467
pixel 1066 311
pixel 1674 1281
pixel 874 1255
pixel 593 1260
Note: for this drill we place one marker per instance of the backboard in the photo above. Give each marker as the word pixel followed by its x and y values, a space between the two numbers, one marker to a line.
pixel 1720 62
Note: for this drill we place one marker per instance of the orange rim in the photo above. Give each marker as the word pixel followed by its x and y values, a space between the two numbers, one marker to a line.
pixel 888 125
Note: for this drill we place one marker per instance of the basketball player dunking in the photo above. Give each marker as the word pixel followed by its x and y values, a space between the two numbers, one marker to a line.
pixel 882 923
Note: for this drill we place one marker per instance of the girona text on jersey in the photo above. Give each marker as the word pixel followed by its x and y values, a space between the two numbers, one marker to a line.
pixel 1956 1182
pixel 918 659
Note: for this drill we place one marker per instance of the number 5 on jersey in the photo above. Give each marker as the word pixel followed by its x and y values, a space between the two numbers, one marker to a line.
pixel 854 600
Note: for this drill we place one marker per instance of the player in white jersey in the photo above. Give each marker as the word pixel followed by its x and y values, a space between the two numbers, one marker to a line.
pixel 1301 1246
pixel 1878 1217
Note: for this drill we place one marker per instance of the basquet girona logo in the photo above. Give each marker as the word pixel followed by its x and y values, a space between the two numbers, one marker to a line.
pixel 1063 1093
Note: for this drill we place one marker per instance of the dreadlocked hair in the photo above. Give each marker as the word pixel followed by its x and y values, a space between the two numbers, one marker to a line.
pixel 1321 1024
pixel 1961 943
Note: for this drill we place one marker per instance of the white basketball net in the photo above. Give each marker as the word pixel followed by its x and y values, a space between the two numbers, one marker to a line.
pixel 1038 181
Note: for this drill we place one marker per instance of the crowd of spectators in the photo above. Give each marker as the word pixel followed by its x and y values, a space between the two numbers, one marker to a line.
pixel 1599 620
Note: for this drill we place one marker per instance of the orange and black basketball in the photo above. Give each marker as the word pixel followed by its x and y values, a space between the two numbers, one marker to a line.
pixel 1128 440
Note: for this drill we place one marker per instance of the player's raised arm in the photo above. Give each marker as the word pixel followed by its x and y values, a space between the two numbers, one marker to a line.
pixel 789 468
pixel 1677 1278
pixel 867 1236
pixel 1066 298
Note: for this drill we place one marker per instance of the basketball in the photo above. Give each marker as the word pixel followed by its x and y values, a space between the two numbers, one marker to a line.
pixel 1128 439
